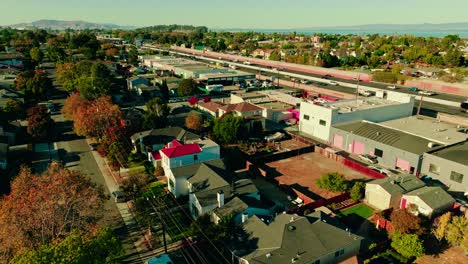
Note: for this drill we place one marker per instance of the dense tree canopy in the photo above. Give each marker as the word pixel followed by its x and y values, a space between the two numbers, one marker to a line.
pixel 408 245
pixel 77 248
pixel 227 128
pixel 157 111
pixel 43 208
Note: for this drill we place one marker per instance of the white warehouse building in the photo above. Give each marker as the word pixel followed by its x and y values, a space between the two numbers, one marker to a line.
pixel 317 120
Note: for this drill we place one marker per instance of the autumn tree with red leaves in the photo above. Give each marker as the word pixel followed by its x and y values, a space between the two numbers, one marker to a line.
pixel 405 222
pixel 92 118
pixel 47 207
pixel 193 121
pixel 40 123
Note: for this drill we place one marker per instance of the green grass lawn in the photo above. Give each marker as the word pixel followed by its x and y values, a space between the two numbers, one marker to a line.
pixel 361 210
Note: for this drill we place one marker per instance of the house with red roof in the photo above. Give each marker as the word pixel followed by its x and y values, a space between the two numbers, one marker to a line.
pixel 253 114
pixel 176 154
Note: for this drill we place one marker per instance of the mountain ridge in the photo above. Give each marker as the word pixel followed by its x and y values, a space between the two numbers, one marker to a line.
pixel 67 24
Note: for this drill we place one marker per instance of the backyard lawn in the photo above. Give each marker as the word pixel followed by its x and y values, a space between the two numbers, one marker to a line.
pixel 356 215
pixel 361 210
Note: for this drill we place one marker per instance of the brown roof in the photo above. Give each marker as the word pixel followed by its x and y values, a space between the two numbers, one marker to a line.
pixel 211 106
pixel 241 107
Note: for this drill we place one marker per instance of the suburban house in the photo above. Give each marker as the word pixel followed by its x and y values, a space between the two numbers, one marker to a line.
pixel 133 82
pixel 147 91
pixel 156 139
pixel 392 148
pixel 176 154
pixel 315 238
pixel 4 147
pixel 10 130
pixel 7 94
pixel 250 112
pixel 448 165
pixel 428 201
pixel 12 60
pixel 317 119
pixel 219 192
pixel 243 109
pixel 386 193
pixel 210 107
pixel 178 177
pixel 262 53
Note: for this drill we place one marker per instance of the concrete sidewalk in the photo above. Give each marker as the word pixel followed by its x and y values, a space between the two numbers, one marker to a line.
pixel 135 233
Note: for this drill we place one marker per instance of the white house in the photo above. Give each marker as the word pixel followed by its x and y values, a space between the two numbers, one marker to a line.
pixel 428 201
pixel 386 193
pixel 176 154
pixel 317 120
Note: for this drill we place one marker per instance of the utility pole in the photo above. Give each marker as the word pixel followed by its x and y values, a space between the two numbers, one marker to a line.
pixel 158 212
pixel 420 101
pixel 357 89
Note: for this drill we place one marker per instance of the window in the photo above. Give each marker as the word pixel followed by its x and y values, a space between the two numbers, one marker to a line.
pixel 339 253
pixel 306 117
pixel 195 157
pixel 434 169
pixel 457 177
pixel 322 122
pixel 378 152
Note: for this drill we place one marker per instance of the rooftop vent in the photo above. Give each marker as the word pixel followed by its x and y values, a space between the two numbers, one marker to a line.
pixel 431 144
pixel 291 228
pixel 268 255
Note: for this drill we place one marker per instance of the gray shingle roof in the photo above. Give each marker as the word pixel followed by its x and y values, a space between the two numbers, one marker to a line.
pixel 234 206
pixel 164 135
pixel 399 183
pixel 387 136
pixel 190 170
pixel 288 236
pixel 434 197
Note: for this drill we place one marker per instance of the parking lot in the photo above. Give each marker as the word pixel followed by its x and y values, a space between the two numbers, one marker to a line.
pixel 304 170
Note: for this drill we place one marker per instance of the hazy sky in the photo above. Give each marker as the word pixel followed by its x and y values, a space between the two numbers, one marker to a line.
pixel 237 13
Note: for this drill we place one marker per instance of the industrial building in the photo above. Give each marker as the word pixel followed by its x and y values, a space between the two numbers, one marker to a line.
pixel 448 165
pixel 316 120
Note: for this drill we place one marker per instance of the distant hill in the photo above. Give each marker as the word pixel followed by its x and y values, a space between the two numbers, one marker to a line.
pixel 426 29
pixel 63 24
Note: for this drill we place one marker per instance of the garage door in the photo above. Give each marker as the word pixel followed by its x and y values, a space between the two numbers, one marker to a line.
pixel 358 147
pixel 403 164
pixel 338 141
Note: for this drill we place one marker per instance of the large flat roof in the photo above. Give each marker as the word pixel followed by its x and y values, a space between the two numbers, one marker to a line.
pixel 228 74
pixel 278 106
pixel 353 105
pixel 457 153
pixel 430 128
pixel 282 97
pixel 387 136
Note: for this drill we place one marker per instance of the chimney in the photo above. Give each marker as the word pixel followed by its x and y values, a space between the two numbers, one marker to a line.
pixel 142 147
pixel 245 217
pixel 220 197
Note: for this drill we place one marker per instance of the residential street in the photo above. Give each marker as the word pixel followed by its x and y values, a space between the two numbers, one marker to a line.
pixel 77 155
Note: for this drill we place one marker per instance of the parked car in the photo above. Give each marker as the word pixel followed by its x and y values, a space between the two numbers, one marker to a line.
pixel 290 122
pixel 427 93
pixel 333 83
pixel 368 158
pixel 119 197
pixel 393 87
pixel 94 146
pixel 366 93
pixel 305 81
pixel 275 137
pixel 247 62
pixel 413 89
pixel 380 170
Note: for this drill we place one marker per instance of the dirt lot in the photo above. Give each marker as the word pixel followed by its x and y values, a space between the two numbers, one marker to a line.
pixel 453 255
pixel 301 172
